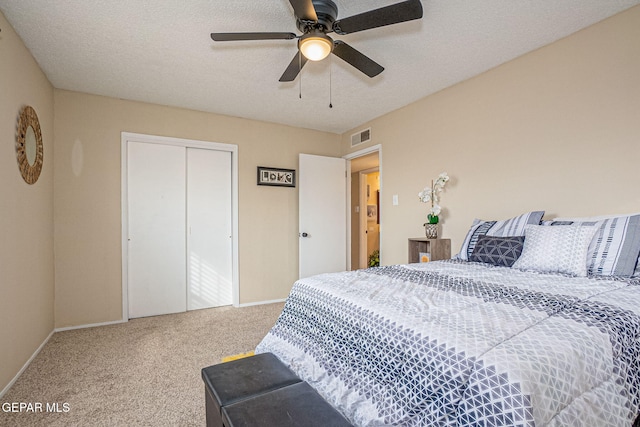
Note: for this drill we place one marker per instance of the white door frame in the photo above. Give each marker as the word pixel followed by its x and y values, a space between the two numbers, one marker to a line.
pixel 127 137
pixel 374 148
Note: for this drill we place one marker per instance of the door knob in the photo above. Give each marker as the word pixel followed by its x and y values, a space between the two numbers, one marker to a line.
pixel 304 235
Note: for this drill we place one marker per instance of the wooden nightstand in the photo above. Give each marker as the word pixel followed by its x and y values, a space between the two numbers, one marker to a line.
pixel 438 248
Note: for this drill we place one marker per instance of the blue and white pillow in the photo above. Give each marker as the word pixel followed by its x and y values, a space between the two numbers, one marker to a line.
pixel 615 248
pixel 508 227
pixel 561 249
pixel 499 251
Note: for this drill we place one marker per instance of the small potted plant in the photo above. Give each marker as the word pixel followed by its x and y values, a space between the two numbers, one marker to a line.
pixel 432 195
pixel 374 259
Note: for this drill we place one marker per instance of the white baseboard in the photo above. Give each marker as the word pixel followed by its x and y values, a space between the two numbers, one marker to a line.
pixel 273 301
pixel 28 362
pixel 91 325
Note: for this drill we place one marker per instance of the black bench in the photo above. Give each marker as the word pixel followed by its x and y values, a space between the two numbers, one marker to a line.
pixel 261 391
pixel 231 382
pixel 296 405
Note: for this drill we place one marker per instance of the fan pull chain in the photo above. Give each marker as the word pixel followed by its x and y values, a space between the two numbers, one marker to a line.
pixel 300 73
pixel 330 79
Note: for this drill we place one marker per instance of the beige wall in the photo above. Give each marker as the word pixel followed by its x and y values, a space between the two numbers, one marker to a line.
pixel 87 198
pixel 557 129
pixel 26 212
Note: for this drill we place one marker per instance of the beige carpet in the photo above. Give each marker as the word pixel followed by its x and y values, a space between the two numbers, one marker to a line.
pixel 142 373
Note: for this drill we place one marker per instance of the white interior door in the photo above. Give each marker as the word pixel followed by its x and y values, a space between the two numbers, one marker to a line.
pixel 323 214
pixel 209 225
pixel 156 223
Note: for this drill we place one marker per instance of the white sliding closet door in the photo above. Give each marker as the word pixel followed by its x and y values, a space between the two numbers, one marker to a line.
pixel 209 228
pixel 157 241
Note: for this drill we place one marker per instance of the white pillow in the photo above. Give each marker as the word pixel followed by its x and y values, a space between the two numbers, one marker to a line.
pixel 559 249
pixel 615 248
pixel 592 218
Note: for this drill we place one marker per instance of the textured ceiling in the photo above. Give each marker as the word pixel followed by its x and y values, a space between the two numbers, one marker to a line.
pixel 159 51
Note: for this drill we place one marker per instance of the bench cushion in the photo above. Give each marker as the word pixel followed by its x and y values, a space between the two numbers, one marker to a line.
pixel 295 405
pixel 230 382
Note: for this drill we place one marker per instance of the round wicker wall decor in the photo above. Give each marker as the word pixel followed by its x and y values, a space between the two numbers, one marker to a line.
pixel 29 148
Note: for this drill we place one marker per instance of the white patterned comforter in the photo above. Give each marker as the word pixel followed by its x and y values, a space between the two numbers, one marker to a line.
pixel 456 343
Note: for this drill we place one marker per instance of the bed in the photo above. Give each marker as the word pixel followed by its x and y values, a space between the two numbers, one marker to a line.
pixel 466 342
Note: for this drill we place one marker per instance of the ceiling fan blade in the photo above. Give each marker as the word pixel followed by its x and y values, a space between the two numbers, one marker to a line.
pixel 393 14
pixel 294 68
pixel 303 9
pixel 226 37
pixel 357 59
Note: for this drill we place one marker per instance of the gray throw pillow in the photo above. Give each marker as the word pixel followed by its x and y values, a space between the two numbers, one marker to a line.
pixel 500 251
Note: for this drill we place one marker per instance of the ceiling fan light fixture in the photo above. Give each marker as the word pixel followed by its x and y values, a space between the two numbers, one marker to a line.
pixel 315 46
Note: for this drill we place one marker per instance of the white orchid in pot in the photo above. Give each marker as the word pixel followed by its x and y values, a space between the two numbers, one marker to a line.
pixel 432 195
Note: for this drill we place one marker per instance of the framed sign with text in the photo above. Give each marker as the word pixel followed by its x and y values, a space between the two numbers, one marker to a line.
pixel 276 177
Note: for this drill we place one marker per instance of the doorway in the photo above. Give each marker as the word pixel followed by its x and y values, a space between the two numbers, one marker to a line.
pixel 365 208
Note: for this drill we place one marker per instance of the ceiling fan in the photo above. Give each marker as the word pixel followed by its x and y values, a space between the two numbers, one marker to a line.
pixel 316 18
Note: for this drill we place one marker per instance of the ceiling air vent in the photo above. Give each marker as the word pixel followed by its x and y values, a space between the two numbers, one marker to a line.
pixel 361 137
